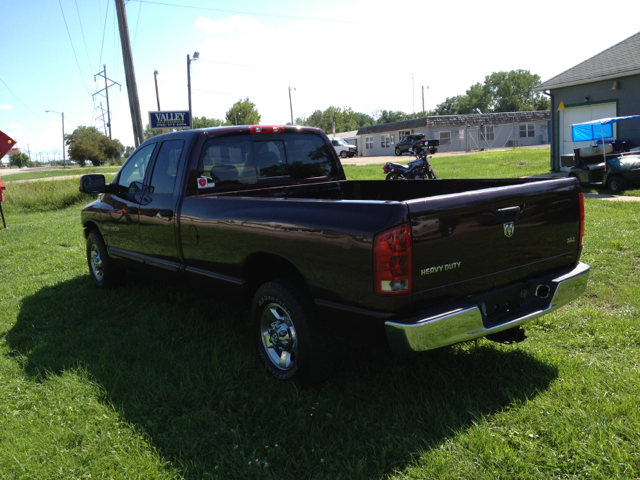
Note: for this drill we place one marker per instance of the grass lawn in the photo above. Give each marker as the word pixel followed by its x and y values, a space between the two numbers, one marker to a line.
pixel 505 164
pixel 56 172
pixel 152 381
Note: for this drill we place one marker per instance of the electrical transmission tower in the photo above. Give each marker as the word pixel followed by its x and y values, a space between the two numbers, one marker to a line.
pixel 103 112
pixel 103 74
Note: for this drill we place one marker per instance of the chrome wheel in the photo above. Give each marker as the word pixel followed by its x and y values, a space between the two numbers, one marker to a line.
pixel 278 336
pixel 96 263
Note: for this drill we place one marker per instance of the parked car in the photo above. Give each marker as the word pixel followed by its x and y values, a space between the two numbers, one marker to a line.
pixel 407 142
pixel 344 149
pixel 265 215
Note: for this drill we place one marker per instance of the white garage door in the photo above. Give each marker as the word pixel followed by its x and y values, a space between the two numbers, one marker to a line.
pixel 574 115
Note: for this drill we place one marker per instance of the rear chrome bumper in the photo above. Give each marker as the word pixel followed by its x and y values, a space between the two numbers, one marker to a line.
pixel 428 330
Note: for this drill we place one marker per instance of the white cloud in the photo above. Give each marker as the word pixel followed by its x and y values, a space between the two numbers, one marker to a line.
pixel 16 126
pixel 5 107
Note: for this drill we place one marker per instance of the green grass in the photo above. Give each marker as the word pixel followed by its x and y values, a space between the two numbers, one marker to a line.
pixel 506 164
pixel 56 172
pixel 45 196
pixel 153 381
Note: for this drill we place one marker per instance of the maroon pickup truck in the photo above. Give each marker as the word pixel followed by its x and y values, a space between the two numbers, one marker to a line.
pixel 265 212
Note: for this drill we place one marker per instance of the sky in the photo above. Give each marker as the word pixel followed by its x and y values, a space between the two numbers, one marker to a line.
pixel 368 55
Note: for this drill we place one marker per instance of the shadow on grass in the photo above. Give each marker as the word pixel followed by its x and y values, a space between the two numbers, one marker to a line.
pixel 180 369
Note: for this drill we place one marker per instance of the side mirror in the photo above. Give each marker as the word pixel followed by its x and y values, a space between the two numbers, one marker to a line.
pixel 93 183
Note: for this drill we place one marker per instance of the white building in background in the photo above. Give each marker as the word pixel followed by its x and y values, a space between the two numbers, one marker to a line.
pixel 456 132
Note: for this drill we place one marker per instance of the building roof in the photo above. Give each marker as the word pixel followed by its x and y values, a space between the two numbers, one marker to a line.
pixel 459 121
pixel 618 61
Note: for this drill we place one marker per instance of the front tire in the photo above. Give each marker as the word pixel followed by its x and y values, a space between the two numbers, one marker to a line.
pixel 290 343
pixel 344 154
pixel 395 176
pixel 103 270
pixel 398 152
pixel 616 183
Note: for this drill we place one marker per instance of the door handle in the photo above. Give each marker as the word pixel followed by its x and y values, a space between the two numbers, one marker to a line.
pixel 166 213
pixel 132 210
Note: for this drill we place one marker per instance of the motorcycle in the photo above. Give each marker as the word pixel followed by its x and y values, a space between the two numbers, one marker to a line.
pixel 418 169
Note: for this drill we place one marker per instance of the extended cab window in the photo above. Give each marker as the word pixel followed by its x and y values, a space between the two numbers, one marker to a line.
pixel 165 170
pixel 132 174
pixel 241 159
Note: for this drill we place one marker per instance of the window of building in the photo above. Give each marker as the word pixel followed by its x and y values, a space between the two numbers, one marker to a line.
pixel 527 130
pixel 445 137
pixel 402 134
pixel 368 143
pixel 385 141
pixel 487 132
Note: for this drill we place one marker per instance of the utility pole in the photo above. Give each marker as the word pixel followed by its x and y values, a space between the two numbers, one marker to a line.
pixel 423 100
pixel 155 78
pixel 29 150
pixel 64 164
pixel 196 55
pixel 132 88
pixel 291 104
pixel 106 90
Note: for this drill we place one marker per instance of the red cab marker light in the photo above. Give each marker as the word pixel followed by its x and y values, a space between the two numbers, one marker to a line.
pixel 266 129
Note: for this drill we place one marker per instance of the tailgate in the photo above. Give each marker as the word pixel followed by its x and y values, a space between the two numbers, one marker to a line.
pixel 472 242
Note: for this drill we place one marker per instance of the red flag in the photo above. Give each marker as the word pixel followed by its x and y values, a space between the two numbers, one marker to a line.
pixel 6 143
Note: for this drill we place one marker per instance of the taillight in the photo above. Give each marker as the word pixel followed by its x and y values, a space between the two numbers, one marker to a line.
pixel 392 259
pixel 266 129
pixel 581 220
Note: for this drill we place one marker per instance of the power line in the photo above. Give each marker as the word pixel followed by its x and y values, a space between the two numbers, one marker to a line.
pixel 25 106
pixel 73 48
pixel 256 66
pixel 104 30
pixel 135 37
pixel 251 13
pixel 221 93
pixel 83 39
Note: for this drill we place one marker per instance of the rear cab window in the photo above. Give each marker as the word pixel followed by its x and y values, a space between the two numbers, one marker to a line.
pixel 246 159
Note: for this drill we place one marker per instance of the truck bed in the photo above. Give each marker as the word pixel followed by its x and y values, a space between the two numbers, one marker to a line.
pixel 460 240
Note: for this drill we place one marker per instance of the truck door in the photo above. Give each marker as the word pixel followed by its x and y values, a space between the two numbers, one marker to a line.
pixel 120 218
pixel 158 207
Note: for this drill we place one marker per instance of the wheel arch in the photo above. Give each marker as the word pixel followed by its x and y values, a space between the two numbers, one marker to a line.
pixel 89 227
pixel 262 267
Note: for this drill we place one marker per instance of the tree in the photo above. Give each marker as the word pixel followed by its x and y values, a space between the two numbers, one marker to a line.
pixel 501 92
pixel 89 143
pixel 204 122
pixel 128 151
pixel 243 112
pixel 19 159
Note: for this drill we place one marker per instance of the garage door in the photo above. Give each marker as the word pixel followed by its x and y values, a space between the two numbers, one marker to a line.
pixel 573 115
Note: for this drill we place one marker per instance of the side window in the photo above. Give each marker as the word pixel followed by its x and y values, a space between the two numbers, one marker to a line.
pixel 223 161
pixel 163 178
pixel 132 174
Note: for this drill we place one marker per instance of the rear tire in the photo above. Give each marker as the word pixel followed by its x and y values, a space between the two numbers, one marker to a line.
pixel 616 183
pixel 103 270
pixel 344 154
pixel 395 176
pixel 398 152
pixel 290 342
